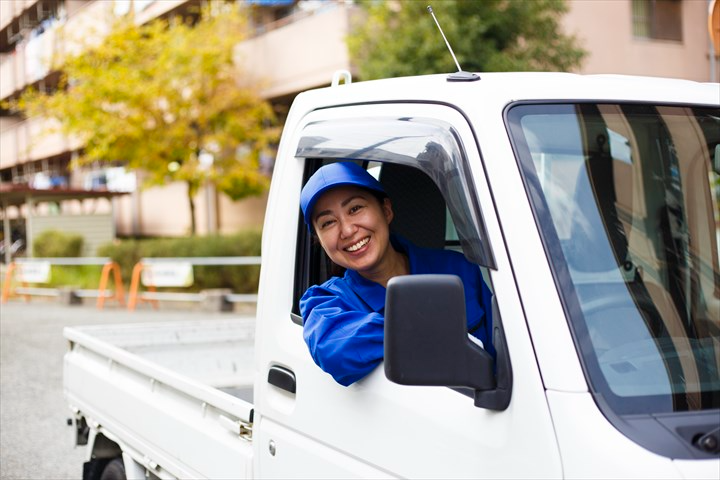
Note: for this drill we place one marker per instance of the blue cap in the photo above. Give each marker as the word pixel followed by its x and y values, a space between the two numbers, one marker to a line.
pixel 331 176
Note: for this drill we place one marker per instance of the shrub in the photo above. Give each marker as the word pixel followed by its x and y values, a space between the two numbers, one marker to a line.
pixel 126 253
pixel 79 276
pixel 53 243
pixel 241 279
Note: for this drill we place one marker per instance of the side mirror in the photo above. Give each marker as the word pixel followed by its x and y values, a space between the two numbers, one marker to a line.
pixel 426 340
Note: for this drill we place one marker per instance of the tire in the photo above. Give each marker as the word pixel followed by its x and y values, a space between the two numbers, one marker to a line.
pixel 114 470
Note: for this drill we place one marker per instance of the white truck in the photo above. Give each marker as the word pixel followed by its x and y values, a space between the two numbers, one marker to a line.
pixel 590 204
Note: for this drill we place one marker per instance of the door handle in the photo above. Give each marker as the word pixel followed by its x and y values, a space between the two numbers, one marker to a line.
pixel 283 378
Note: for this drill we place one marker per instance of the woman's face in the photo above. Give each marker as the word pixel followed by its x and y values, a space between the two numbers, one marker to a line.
pixel 353 228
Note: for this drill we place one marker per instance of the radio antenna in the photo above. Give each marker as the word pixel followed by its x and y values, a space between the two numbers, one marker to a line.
pixel 459 76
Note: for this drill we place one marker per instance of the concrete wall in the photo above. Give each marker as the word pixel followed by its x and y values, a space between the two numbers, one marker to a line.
pixel 247 213
pixel 165 211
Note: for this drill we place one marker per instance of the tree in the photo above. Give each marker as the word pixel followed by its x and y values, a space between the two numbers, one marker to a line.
pixel 400 38
pixel 165 97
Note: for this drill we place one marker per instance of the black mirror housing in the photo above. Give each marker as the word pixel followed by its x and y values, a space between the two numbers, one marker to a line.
pixel 427 343
pixel 426 339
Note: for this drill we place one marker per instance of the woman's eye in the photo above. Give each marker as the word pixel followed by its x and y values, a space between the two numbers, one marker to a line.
pixel 355 208
pixel 326 223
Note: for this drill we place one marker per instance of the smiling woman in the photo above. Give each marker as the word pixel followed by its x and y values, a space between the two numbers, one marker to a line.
pixel 354 230
pixel 350 213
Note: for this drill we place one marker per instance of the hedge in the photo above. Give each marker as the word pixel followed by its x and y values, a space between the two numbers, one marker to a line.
pixel 240 279
pixel 54 243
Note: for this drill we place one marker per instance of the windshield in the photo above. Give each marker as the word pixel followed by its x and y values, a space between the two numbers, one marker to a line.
pixel 627 198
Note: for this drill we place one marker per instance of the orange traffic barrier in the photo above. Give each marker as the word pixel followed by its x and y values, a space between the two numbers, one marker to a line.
pixel 133 295
pixel 102 293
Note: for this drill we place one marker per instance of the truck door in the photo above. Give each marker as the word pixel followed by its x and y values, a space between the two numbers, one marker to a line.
pixel 306 424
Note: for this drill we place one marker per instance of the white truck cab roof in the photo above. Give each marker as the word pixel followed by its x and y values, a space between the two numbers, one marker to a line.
pixel 504 88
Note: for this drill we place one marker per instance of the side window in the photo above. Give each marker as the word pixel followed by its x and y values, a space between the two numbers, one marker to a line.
pixel 420 212
pixel 421 216
pixel 423 167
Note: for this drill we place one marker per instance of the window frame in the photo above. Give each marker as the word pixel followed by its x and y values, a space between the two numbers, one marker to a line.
pixel 667 433
pixel 349 138
pixel 646 23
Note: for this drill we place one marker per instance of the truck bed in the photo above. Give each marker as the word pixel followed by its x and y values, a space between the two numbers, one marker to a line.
pixel 180 390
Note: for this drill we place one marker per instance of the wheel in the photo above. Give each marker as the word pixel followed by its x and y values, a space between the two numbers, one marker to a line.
pixel 114 470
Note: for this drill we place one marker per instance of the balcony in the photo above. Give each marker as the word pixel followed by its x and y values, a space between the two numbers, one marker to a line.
pixel 299 52
pixel 10 10
pixel 85 22
pixel 18 17
pixel 27 64
pixel 30 140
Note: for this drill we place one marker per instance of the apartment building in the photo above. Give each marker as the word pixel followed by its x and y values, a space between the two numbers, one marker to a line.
pixel 297 45
pixel 37 188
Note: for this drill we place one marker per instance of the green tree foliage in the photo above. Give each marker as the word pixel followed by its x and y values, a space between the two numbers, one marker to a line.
pixel 400 38
pixel 164 97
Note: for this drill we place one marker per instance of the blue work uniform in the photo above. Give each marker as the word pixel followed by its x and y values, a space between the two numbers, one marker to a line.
pixel 344 317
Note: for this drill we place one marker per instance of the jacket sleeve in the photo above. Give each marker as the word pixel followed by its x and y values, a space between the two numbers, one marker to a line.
pixel 478 299
pixel 479 308
pixel 343 341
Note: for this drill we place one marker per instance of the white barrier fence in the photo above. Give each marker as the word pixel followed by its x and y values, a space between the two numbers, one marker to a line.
pixel 177 272
pixel 23 271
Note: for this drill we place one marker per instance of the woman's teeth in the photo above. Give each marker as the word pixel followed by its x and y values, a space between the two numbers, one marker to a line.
pixel 358 245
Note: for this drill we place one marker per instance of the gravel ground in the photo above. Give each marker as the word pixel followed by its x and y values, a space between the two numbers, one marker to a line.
pixel 35 441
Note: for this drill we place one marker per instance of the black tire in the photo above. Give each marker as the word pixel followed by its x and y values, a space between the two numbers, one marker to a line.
pixel 114 470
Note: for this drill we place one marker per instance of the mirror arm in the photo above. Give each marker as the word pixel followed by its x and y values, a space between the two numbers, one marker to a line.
pixel 499 397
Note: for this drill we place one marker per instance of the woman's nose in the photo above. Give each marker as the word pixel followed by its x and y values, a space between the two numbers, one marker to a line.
pixel 347 228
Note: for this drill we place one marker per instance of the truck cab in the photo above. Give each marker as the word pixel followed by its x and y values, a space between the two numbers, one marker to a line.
pixel 591 207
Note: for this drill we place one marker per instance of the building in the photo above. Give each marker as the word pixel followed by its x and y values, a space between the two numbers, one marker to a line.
pixel 34 165
pixel 659 38
pixel 297 45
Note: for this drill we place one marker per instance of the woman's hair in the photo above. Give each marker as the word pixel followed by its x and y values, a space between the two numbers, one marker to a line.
pixel 381 196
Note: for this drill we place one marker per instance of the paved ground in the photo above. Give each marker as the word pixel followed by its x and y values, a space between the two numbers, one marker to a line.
pixel 35 441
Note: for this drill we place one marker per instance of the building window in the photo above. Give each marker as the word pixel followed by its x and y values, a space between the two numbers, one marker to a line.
pixel 657 19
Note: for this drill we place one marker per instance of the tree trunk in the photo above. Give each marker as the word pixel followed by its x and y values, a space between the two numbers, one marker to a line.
pixel 191 201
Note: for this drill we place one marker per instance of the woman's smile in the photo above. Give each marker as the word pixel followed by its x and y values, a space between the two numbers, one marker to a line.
pixel 357 246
